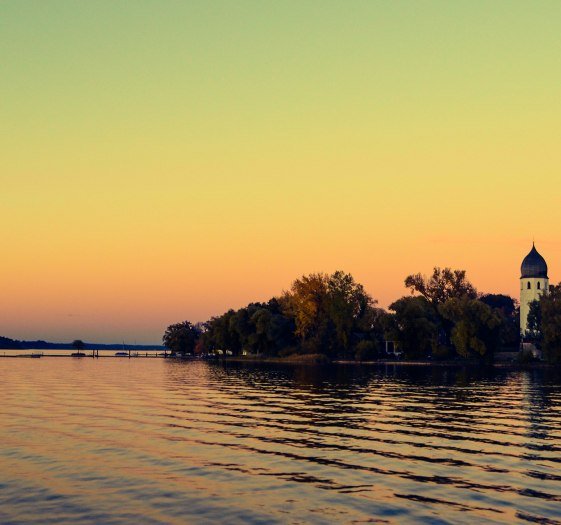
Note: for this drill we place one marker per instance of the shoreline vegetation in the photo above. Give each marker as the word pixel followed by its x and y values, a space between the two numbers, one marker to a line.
pixel 320 360
pixel 311 360
pixel 332 319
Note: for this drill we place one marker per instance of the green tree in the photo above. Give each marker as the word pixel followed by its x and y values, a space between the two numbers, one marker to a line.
pixel 508 309
pixel 504 303
pixel 241 324
pixel 272 332
pixel 306 303
pixel 327 311
pixel 549 310
pixel 443 284
pixel 259 328
pixel 414 324
pixel 476 326
pixel 534 322
pixel 181 338
pixel 347 304
pixel 220 333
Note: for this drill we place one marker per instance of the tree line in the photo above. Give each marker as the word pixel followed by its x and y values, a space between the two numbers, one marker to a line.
pixel 444 317
pixel 13 344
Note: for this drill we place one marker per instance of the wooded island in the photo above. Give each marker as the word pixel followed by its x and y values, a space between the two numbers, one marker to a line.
pixel 444 318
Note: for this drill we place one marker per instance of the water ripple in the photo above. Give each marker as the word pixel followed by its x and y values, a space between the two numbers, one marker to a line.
pixel 154 441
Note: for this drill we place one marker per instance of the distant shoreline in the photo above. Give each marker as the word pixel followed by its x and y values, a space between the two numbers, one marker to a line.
pixel 40 345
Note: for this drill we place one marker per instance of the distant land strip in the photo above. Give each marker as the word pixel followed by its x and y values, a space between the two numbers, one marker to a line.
pixel 12 344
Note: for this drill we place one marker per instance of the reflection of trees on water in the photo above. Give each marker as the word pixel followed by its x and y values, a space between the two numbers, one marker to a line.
pixel 439 375
pixel 345 379
pixel 364 418
pixel 179 373
pixel 336 380
pixel 542 389
pixel 445 399
pixel 460 397
pixel 342 395
pixel 320 395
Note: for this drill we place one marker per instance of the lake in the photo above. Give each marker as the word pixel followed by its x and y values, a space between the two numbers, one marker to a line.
pixel 153 441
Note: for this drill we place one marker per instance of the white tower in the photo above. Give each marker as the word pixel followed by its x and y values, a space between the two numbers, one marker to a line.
pixel 533 282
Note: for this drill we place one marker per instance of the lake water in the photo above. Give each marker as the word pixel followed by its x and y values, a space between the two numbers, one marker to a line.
pixel 156 441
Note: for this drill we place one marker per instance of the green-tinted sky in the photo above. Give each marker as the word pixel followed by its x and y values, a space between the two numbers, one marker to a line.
pixel 165 160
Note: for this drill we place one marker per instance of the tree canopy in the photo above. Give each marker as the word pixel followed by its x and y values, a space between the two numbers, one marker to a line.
pixel 332 314
pixel 7 343
pixel 181 338
pixel 476 326
pixel 327 311
pixel 443 284
pixel 414 324
pixel 78 344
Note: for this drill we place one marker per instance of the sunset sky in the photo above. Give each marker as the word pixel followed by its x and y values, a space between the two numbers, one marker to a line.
pixel 168 160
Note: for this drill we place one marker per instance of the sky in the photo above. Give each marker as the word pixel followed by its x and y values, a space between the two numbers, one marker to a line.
pixel 163 161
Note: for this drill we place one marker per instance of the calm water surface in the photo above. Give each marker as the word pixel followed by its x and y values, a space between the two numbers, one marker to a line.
pixel 154 441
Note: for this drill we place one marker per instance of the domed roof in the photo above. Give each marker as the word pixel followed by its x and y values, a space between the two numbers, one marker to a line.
pixel 533 265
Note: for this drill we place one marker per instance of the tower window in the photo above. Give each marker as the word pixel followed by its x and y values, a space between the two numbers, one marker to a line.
pixel 529 285
pixel 538 285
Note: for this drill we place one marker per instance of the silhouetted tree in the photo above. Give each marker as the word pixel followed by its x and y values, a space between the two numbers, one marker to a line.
pixel 78 345
pixel 7 343
pixel 508 309
pixel 181 338
pixel 499 301
pixel 442 285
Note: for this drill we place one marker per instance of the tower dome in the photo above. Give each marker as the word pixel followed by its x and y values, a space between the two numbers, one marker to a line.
pixel 533 265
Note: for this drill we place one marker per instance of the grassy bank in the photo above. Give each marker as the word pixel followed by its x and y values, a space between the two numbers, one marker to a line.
pixel 299 359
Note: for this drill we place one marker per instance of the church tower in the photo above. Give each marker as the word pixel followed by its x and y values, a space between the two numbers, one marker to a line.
pixel 533 282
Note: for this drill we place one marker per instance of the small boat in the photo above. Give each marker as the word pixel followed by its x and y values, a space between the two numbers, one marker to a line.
pixel 121 354
pixel 77 354
pixel 36 356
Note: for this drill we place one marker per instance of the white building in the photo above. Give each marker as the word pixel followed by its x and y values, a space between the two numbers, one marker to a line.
pixel 533 283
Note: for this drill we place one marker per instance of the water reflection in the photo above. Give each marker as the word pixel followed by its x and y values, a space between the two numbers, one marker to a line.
pixel 173 442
